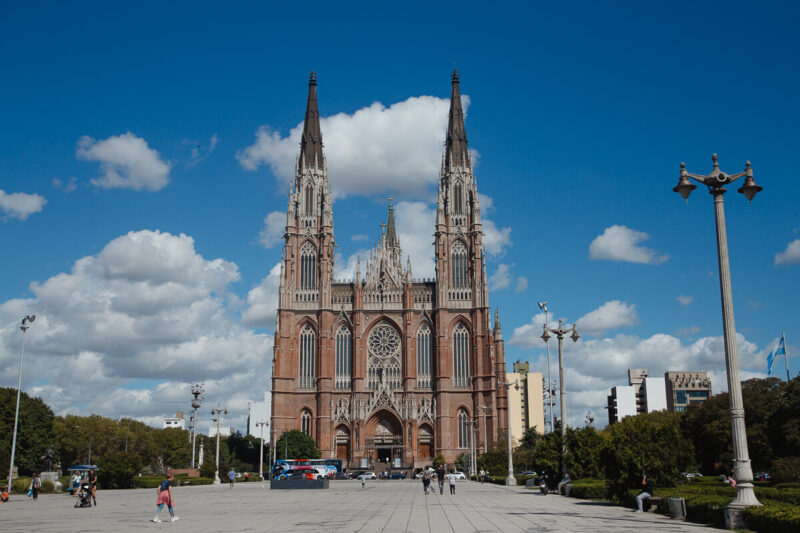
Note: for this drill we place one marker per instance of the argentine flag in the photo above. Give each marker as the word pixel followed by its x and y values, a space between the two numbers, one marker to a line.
pixel 780 350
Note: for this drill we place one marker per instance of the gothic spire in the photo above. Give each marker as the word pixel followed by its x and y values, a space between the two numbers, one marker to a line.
pixel 391 234
pixel 498 331
pixel 311 142
pixel 456 153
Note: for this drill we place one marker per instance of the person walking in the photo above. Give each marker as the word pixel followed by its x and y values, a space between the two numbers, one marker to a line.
pixel 93 485
pixel 426 482
pixel 452 478
pixel 36 485
pixel 232 476
pixel 75 484
pixel 363 479
pixel 647 493
pixel 441 473
pixel 164 496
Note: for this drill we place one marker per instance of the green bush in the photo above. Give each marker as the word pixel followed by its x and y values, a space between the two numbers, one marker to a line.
pixel 589 489
pixel 708 509
pixel 786 469
pixel 787 486
pixel 48 487
pixel 784 495
pixel 118 470
pixel 773 518
pixel 207 469
pixel 21 485
pixel 148 482
pixel 65 482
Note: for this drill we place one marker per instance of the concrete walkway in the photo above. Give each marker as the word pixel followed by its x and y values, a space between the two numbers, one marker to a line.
pixel 392 505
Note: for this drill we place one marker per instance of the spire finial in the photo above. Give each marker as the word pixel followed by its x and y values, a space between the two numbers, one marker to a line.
pixel 456 153
pixel 391 232
pixel 312 79
pixel 311 141
pixel 454 78
pixel 715 158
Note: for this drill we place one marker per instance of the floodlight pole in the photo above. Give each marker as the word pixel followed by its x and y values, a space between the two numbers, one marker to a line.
pixel 218 412
pixel 261 449
pixel 28 319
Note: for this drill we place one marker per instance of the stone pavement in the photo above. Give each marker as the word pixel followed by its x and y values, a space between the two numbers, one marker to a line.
pixel 391 505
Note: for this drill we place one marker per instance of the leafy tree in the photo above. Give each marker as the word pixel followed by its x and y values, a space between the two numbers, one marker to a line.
pixel 649 443
pixel 583 452
pixel 245 450
pixel 297 445
pixel 118 470
pixel 463 461
pixel 529 439
pixel 34 431
pixel 439 459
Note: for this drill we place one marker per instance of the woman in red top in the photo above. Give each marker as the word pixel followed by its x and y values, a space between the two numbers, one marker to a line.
pixel 164 492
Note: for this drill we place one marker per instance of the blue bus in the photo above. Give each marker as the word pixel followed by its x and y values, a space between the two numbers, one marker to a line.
pixel 332 466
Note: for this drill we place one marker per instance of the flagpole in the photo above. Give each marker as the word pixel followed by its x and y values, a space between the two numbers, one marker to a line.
pixel 785 355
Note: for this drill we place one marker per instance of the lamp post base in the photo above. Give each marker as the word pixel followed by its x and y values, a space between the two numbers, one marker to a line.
pixel 745 497
pixel 216 477
pixel 511 480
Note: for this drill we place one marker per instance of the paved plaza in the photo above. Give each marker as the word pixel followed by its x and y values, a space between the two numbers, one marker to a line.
pixel 391 505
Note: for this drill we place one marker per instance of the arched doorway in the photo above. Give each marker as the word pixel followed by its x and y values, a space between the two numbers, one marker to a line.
pixel 385 438
pixel 343 444
pixel 425 441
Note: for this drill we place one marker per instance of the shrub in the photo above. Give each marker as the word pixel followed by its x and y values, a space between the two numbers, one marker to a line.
pixel 588 489
pixel 48 487
pixel 708 509
pixel 785 495
pixel 786 469
pixel 773 518
pixel 21 485
pixel 118 470
pixel 148 482
pixel 207 469
pixel 65 482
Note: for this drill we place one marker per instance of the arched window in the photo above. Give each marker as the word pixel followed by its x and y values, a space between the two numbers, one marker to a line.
pixel 305 422
pixel 461 356
pixel 343 357
pixel 307 354
pixel 459 265
pixel 383 357
pixel 458 200
pixel 463 429
pixel 309 201
pixel 424 358
pixel 308 267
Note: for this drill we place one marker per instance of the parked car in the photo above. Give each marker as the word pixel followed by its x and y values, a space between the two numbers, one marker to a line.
pixel 460 475
pixel 370 475
pixel 690 475
pixel 397 475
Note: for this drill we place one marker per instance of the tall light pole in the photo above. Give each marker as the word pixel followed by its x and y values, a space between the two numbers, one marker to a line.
pixel 197 393
pixel 218 412
pixel 560 332
pixel 261 449
pixel 24 327
pixel 484 408
pixel 510 480
pixel 716 182
pixel 543 307
pixel 127 427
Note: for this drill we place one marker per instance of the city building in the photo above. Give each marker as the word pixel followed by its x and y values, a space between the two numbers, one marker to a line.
pixel 258 412
pixel 654 393
pixel 686 388
pixel 636 377
pixel 526 403
pixel 386 367
pixel 176 422
pixel 621 403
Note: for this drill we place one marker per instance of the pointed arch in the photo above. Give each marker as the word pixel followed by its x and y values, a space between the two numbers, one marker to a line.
pixel 307 353
pixel 424 356
pixel 462 420
pixel 305 422
pixel 308 266
pixel 458 198
pixel 309 200
pixel 458 262
pixel 344 356
pixel 461 356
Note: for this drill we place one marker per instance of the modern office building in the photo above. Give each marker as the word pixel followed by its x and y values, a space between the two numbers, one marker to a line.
pixel 686 388
pixel 642 395
pixel 176 422
pixel 525 404
pixel 621 403
pixel 654 392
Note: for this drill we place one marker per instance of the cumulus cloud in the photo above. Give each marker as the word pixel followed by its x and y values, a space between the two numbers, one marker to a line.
pixel 621 243
pixel 20 205
pixel 688 331
pixel 262 301
pixel 790 255
pixel 373 150
pixel 273 230
pixel 685 299
pixel 415 226
pixel 495 240
pixel 501 278
pixel 127 162
pixel 609 316
pixel 147 308
pixel 522 284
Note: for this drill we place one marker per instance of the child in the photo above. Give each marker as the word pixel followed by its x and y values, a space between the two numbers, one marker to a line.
pixel 164 492
pixel 4 495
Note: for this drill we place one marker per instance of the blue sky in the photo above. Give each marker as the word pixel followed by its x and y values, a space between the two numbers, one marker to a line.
pixel 580 116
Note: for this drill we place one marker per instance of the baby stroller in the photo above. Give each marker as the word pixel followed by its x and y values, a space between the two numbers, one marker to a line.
pixel 84 495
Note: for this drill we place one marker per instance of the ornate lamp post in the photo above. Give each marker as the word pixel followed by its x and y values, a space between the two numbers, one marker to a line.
pixel 483 409
pixel 510 480
pixel 716 182
pixel 560 332
pixel 261 449
pixel 543 307
pixel 24 327
pixel 218 412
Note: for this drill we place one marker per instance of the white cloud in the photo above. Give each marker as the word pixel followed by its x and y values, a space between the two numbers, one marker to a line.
pixel 495 240
pixel 147 308
pixel 20 205
pixel 501 279
pixel 67 187
pixel 374 150
pixel 262 301
pixel 415 226
pixel 688 331
pixel 790 255
pixel 621 243
pixel 609 316
pixel 358 237
pixel 273 230
pixel 684 299
pixel 522 284
pixel 199 151
pixel 127 162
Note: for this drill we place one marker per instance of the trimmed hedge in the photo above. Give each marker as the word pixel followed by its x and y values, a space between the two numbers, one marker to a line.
pixel 589 489
pixel 773 518
pixel 20 485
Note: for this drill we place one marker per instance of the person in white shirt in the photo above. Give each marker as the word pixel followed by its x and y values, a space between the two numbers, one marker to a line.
pixel 452 478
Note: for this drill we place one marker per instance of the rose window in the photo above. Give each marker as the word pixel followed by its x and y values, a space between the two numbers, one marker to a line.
pixel 383 357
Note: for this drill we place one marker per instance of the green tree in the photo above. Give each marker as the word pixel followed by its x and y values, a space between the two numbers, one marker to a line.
pixel 529 439
pixel 439 459
pixel 34 432
pixel 118 470
pixel 297 445
pixel 583 452
pixel 649 443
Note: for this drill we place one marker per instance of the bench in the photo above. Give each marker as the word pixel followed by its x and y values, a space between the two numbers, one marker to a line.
pixel 652 504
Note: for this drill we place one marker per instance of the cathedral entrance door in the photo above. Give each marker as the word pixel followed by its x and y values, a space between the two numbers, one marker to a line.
pixel 387 438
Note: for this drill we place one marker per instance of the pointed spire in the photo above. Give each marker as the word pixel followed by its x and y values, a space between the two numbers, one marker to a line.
pixel 498 332
pixel 408 268
pixel 391 234
pixel 358 270
pixel 456 153
pixel 311 142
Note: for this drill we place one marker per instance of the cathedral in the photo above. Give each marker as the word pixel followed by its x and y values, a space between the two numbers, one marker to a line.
pixel 386 368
